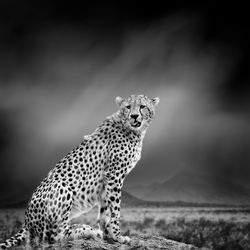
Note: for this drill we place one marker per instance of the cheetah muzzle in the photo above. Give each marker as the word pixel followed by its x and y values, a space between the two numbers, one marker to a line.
pixel 90 175
pixel 135 124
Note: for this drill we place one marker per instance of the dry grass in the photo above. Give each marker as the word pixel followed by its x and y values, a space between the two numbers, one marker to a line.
pixel 217 230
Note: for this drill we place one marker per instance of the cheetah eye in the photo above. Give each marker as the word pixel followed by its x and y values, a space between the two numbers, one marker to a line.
pixel 142 106
pixel 128 107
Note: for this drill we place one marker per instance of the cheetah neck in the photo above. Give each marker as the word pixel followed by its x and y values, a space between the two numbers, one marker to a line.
pixel 138 134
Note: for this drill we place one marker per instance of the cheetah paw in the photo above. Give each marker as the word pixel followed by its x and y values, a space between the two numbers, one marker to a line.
pixel 124 240
pixel 98 234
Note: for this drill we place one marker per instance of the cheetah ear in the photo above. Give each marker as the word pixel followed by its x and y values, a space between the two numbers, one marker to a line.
pixel 155 100
pixel 119 100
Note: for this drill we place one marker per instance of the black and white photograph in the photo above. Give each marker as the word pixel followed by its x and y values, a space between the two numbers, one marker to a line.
pixel 124 125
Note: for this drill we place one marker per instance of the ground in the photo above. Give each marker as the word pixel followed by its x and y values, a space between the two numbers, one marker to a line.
pixel 160 228
pixel 144 242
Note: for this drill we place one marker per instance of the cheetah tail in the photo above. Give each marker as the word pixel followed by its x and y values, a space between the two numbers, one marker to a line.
pixel 15 240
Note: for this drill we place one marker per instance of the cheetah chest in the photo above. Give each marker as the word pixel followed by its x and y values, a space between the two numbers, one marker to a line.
pixel 136 157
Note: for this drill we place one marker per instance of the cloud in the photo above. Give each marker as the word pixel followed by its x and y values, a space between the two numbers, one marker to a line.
pixel 65 91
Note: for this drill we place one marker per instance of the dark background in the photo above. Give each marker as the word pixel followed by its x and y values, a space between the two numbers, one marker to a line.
pixel 63 64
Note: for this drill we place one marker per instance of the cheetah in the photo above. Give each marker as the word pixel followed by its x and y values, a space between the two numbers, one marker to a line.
pixel 90 175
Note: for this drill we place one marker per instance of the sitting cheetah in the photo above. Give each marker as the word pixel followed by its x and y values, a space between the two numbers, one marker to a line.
pixel 91 174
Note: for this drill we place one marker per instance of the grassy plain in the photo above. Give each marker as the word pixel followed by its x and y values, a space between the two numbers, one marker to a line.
pixel 211 227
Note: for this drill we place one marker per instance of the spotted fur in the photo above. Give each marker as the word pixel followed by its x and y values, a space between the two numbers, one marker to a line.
pixel 91 174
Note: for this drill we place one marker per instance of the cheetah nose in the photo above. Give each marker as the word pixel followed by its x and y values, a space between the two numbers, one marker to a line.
pixel 134 116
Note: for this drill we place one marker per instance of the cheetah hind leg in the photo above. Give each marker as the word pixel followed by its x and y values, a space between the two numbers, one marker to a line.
pixel 80 231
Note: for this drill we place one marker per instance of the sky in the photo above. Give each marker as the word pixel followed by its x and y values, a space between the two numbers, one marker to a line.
pixel 62 65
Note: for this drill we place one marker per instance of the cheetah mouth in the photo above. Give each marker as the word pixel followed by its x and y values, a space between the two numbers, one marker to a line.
pixel 135 124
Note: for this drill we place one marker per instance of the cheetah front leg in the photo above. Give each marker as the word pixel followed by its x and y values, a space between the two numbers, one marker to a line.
pixel 103 215
pixel 109 213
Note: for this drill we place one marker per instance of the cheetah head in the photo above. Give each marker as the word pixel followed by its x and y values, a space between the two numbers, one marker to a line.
pixel 136 111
